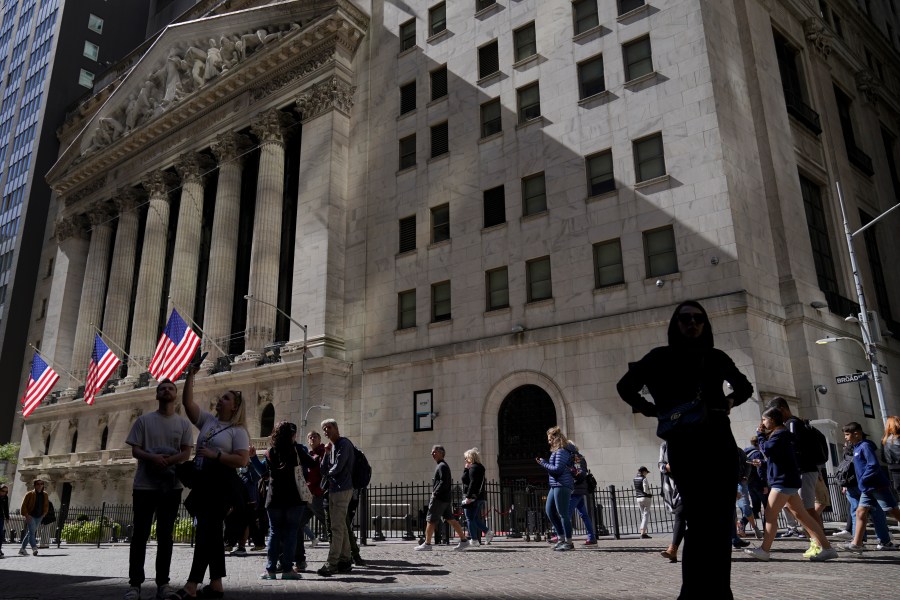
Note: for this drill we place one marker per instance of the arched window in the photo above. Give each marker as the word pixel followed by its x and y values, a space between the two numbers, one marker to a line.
pixel 267 421
pixel 47 445
pixel 74 442
pixel 104 437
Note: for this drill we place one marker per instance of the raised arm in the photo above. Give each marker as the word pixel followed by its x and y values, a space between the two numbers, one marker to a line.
pixel 191 409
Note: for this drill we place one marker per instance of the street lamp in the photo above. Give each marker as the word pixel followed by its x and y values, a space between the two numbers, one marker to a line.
pixel 830 340
pixel 303 359
pixel 322 406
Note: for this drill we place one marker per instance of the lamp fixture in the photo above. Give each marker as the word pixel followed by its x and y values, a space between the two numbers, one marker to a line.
pixel 818 304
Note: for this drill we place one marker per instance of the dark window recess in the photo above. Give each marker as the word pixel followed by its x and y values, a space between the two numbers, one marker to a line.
pixel 888 140
pixel 497 285
pixel 494 206
pixel 857 157
pixel 792 84
pixel 820 241
pixel 408 152
pixel 440 223
pixel 439 140
pixel 525 42
pixel 407 35
pixel 490 118
pixel 649 158
pixel 659 252
pixel 875 267
pixel 437 19
pixel 638 58
pixel 483 4
pixel 488 60
pixel 439 83
pixel 591 78
pixel 406 309
pixel 529 103
pixel 599 169
pixel 626 6
pixel 407 234
pixel 408 98
pixel 584 14
pixel 537 273
pixel 534 194
pixel 440 302
pixel 608 269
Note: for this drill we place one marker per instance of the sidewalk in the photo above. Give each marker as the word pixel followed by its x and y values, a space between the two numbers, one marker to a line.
pixel 623 569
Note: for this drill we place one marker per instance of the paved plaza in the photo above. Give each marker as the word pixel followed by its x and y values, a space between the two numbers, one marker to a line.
pixel 627 568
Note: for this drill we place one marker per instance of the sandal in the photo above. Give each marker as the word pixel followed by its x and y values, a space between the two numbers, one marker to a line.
pixel 181 594
pixel 207 592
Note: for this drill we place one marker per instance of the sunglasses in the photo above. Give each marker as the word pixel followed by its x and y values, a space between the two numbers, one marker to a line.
pixel 688 318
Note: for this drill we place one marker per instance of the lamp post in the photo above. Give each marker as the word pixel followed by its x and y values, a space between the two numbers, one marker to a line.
pixel 303 359
pixel 322 406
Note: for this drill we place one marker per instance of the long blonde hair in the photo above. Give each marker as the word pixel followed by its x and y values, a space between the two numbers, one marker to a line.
pixel 473 454
pixel 891 428
pixel 559 438
pixel 239 415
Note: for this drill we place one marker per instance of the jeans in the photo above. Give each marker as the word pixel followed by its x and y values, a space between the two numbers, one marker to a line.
pixel 476 523
pixel 29 536
pixel 284 523
pixel 146 503
pixel 580 504
pixel 645 504
pixel 678 529
pixel 315 509
pixel 339 551
pixel 209 548
pixel 879 520
pixel 558 511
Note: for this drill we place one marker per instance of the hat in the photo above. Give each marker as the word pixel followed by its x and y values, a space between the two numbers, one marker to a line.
pixel 643 470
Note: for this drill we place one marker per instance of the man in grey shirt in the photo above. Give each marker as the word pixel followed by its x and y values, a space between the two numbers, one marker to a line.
pixel 159 441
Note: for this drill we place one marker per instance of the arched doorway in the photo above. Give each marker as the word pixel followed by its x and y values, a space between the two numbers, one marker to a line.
pixel 524 417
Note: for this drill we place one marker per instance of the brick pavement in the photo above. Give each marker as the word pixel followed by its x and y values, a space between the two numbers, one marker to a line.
pixel 623 569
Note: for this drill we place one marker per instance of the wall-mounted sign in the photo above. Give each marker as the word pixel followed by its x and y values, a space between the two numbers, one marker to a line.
pixel 423 407
pixel 851 378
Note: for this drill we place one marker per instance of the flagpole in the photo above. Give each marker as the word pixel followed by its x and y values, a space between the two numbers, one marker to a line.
pixel 119 348
pixel 57 367
pixel 194 323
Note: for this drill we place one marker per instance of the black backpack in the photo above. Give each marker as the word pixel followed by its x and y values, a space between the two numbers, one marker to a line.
pixel 591 482
pixel 50 517
pixel 846 472
pixel 815 445
pixel 362 471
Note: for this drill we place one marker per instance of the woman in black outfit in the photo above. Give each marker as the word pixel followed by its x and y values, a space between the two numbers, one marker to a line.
pixel 701 455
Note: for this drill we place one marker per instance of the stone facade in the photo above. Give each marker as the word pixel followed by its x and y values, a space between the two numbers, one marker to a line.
pixel 314 102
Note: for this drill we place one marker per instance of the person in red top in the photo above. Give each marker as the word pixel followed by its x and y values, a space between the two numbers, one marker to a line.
pixel 317 508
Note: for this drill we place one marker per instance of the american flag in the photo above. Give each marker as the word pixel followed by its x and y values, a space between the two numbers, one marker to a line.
pixel 103 363
pixel 41 381
pixel 176 346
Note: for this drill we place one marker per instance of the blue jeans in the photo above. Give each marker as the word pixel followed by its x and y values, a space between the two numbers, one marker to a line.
pixel 284 523
pixel 580 504
pixel 29 536
pixel 476 523
pixel 559 513
pixel 879 520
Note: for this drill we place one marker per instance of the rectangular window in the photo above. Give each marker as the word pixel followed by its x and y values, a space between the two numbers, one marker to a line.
pixel 488 59
pixel 483 4
pixel 855 155
pixel 440 302
pixel 875 267
pixel 408 97
pixel 638 58
pixel 537 273
pixel 439 83
pixel 584 13
pixel 795 93
pixel 86 79
pixel 529 102
pixel 437 19
pixel 407 234
pixel 608 269
pixel 534 194
pixel 599 168
pixel 91 50
pixel 490 118
pixel 887 140
pixel 819 238
pixel 659 252
pixel 590 77
pixel 626 6
pixel 525 42
pixel 408 152
pixel 95 23
pixel 407 35
pixel 494 206
pixel 43 311
pixel 496 283
pixel 649 161
pixel 440 223
pixel 406 309
pixel 439 140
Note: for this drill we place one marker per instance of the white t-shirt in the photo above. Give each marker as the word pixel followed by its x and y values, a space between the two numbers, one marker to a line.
pixel 159 434
pixel 220 435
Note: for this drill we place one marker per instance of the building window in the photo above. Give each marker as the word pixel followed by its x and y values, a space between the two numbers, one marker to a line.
pixel 91 50
pixel 437 19
pixel 626 6
pixel 494 206
pixel 887 140
pixel 408 97
pixel 584 13
pixel 440 223
pixel 608 269
pixel 95 23
pixel 408 152
pixel 49 268
pixel 483 4
pixel 104 438
pixel 74 442
pixel 795 95
pixel 837 24
pixel 599 168
pixel 876 268
pixel 857 157
pixel 638 58
pixel 534 194
pixel 439 139
pixel 525 42
pixel 649 161
pixel 497 286
pixel 817 224
pixel 86 79
pixel 490 118
pixel 537 273
pixel 407 234
pixel 488 59
pixel 529 102
pixel 440 302
pixel 659 252
pixel 47 445
pixel 407 35
pixel 43 310
pixel 590 77
pixel 439 83
pixel 406 309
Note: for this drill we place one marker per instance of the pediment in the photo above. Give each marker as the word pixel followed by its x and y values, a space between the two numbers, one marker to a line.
pixel 193 64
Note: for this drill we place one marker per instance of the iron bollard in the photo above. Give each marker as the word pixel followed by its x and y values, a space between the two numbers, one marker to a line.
pixel 408 535
pixel 379 534
pixel 613 505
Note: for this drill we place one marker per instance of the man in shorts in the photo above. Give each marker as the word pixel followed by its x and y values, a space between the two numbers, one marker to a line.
pixel 874 485
pixel 439 505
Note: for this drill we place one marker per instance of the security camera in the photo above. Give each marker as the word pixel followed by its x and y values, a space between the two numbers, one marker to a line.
pixel 822 389
pixel 660 283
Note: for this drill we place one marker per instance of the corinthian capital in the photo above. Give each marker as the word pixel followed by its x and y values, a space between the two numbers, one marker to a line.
pixel 158 183
pixel 192 166
pixel 75 226
pixel 324 96
pixel 129 198
pixel 271 125
pixel 229 146
pixel 100 213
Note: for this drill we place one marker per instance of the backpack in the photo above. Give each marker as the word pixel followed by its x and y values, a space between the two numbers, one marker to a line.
pixel 591 482
pixel 846 473
pixel 579 468
pixel 815 445
pixel 50 517
pixel 362 471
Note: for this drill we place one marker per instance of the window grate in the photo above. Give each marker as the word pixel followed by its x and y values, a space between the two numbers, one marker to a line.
pixel 407 234
pixel 408 98
pixel 440 143
pixel 439 83
pixel 488 60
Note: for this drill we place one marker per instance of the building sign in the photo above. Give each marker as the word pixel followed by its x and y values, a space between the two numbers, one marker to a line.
pixel 424 408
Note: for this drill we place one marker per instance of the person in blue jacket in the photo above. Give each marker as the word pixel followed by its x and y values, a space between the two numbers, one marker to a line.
pixel 562 483
pixel 874 485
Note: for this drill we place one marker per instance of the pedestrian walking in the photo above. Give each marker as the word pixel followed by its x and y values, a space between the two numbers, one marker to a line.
pixel 890 451
pixel 35 505
pixel 580 494
pixel 672 500
pixel 4 515
pixel 475 492
pixel 439 504
pixel 562 484
pixel 644 499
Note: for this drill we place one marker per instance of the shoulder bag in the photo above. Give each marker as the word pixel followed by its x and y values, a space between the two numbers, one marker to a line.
pixel 682 417
pixel 300 480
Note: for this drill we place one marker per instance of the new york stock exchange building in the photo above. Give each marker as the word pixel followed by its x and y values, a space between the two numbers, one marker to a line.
pixel 470 216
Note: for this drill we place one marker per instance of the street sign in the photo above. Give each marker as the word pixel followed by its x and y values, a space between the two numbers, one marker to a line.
pixel 851 378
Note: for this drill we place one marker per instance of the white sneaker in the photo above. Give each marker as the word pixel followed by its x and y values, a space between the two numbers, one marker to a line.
pixel 854 549
pixel 488 537
pixel 475 542
pixel 423 547
pixel 843 534
pixel 133 593
pixel 314 542
pixel 825 554
pixel 887 546
pixel 462 545
pixel 757 553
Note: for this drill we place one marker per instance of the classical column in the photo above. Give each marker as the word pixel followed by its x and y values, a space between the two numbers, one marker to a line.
pixel 90 310
pixel 145 323
pixel 121 274
pixel 183 286
pixel 265 251
pixel 228 149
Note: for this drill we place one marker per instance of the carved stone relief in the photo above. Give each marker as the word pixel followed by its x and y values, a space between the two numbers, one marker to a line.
pixel 324 58
pixel 74 226
pixel 73 423
pixel 86 191
pixel 818 36
pixel 158 183
pixel 229 146
pixel 868 84
pixel 192 166
pixel 330 94
pixel 271 125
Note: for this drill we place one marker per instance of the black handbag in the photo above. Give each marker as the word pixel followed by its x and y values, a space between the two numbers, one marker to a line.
pixel 50 517
pixel 682 417
pixel 187 473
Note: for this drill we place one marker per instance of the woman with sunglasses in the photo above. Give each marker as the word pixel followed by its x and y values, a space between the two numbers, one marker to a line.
pixel 689 372
pixel 222 447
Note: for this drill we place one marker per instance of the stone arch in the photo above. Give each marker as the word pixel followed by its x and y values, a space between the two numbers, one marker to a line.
pixel 74 442
pixel 104 438
pixel 266 420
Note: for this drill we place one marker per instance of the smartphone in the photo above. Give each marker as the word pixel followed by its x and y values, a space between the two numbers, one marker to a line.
pixel 199 360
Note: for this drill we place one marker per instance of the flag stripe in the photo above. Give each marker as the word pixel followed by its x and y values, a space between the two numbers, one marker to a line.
pixel 40 382
pixel 176 346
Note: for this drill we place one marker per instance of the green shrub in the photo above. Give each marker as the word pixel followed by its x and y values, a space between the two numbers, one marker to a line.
pixel 84 531
pixel 184 529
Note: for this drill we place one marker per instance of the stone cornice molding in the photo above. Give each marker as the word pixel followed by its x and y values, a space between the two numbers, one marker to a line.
pixel 158 183
pixel 818 36
pixel 71 227
pixel 193 166
pixel 230 146
pixel 331 94
pixel 312 62
pixel 129 199
pixel 84 192
pixel 271 125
